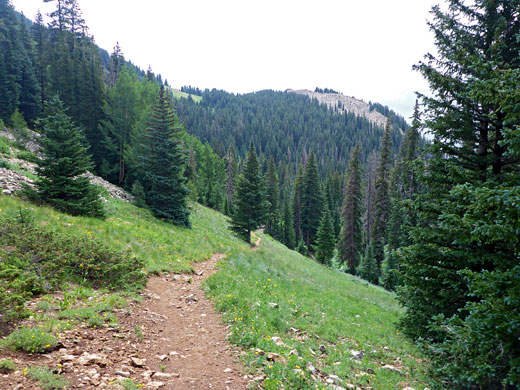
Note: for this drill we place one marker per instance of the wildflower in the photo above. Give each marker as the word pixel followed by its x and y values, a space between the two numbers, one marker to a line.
pixel 47 346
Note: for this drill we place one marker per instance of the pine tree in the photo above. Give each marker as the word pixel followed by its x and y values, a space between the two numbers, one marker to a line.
pixel 163 165
pixel 231 173
pixel 41 38
pixel 297 203
pixel 382 196
pixel 273 197
pixel 369 269
pixel 311 202
pixel 325 238
pixel 121 111
pixel 117 61
pixel 250 204
pixel 288 235
pixel 351 240
pixel 461 272
pixel 65 161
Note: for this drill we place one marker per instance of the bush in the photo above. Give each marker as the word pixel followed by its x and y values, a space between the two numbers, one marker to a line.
pixel 37 260
pixel 7 365
pixel 32 340
pixel 48 380
pixel 27 156
pixel 4 164
pixel 4 146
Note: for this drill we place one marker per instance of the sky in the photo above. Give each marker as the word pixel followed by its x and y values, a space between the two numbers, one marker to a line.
pixel 364 49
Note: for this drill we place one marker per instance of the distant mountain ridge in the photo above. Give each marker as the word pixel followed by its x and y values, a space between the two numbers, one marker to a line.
pixel 346 104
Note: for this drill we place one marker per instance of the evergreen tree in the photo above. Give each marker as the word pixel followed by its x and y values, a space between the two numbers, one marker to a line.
pixel 311 202
pixel 297 203
pixel 326 239
pixel 461 271
pixel 390 277
pixel 382 197
pixel 351 240
pixel 41 38
pixel 117 61
pixel 369 269
pixel 250 204
pixel 273 197
pixel 120 126
pixel 231 173
pixel 62 182
pixel 163 165
pixel 288 235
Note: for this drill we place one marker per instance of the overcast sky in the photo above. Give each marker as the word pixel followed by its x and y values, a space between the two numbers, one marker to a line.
pixel 364 49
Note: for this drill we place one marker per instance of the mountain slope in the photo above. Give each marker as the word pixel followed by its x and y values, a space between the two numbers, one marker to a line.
pixel 316 321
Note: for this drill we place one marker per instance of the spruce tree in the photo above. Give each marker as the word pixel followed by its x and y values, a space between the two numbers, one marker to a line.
pixel 288 235
pixel 368 268
pixel 163 165
pixel 351 240
pixel 297 203
pixel 61 179
pixel 382 197
pixel 311 202
pixel 119 127
pixel 461 272
pixel 325 238
pixel 250 204
pixel 273 197
pixel 231 176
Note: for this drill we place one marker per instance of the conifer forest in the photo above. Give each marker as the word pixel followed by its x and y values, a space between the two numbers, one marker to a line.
pixel 426 207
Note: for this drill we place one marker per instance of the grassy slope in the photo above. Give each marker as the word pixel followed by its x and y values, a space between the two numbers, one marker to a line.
pixel 344 312
pixel 329 308
pixel 179 94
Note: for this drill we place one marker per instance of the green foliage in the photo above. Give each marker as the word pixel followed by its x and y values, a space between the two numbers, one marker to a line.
pixel 273 197
pixel 288 235
pixel 382 203
pixel 30 339
pixel 48 380
pixel 27 156
pixel 17 121
pixel 460 272
pixel 139 194
pixel 163 165
pixel 325 239
pixel 251 204
pixel 368 268
pixel 4 145
pixel 37 259
pixel 6 366
pixel 351 240
pixel 4 164
pixel 316 306
pixel 64 160
pixel 311 202
pixel 390 278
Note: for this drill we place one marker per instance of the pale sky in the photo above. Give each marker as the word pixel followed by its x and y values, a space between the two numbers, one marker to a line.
pixel 364 49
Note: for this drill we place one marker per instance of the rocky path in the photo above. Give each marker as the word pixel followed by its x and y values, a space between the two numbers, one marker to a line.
pixel 173 340
pixel 190 334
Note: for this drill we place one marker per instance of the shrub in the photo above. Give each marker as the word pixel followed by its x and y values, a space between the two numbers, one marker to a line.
pixel 37 259
pixel 32 340
pixel 4 164
pixel 4 146
pixel 7 365
pixel 48 380
pixel 27 156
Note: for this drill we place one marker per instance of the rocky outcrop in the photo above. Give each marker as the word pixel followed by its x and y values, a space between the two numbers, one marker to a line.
pixel 12 182
pixel 113 190
pixel 30 141
pixel 348 104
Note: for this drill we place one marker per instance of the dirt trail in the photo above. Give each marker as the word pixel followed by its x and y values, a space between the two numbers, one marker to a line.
pixel 192 336
pixel 174 340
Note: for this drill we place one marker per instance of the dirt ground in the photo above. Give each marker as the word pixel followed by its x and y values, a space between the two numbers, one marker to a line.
pixel 173 340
